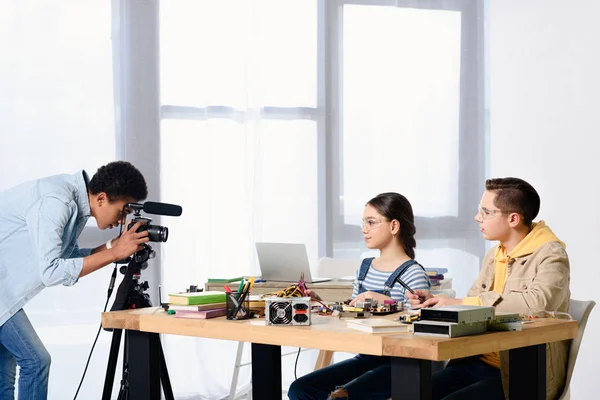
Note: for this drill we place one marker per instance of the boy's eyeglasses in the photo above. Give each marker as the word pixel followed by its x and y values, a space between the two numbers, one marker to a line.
pixel 370 224
pixel 487 213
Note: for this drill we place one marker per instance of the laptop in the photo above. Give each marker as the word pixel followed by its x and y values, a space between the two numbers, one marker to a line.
pixel 284 262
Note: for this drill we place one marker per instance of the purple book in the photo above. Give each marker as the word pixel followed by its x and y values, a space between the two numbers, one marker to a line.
pixel 219 312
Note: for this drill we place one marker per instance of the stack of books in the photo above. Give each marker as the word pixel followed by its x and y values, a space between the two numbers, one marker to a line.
pixel 201 305
pixel 438 281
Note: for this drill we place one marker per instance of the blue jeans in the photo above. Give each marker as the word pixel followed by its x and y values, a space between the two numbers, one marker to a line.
pixel 466 379
pixel 19 344
pixel 363 376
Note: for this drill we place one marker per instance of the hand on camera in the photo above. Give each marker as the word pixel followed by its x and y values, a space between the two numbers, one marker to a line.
pixel 130 242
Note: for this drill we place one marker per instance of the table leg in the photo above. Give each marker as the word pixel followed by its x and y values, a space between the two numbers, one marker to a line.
pixel 266 372
pixel 144 367
pixel 527 373
pixel 411 379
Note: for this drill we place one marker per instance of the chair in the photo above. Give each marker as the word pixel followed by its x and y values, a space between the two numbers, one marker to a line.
pixel 580 311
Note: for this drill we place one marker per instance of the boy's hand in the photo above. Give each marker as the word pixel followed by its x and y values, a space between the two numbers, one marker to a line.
pixel 129 242
pixel 418 298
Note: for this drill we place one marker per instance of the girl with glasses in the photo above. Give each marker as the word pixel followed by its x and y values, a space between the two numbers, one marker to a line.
pixel 388 226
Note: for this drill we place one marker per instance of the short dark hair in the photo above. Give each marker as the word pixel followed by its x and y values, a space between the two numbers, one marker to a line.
pixel 119 180
pixel 515 195
pixel 395 206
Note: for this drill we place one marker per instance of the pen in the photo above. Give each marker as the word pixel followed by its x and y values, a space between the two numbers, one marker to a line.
pixel 409 289
pixel 240 288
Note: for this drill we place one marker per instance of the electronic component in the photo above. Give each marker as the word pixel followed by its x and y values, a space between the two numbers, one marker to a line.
pixel 458 314
pixel 506 322
pixel 287 311
pixel 448 329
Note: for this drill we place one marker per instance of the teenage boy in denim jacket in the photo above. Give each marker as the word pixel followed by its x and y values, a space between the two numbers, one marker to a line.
pixel 528 271
pixel 40 222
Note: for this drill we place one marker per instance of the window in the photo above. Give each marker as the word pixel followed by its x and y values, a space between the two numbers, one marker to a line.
pixel 239 128
pixel 405 114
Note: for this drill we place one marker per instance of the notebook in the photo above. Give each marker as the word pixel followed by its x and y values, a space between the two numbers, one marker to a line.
pixel 284 262
pixel 378 325
pixel 194 298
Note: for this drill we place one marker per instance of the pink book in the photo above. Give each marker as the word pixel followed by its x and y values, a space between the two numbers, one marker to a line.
pixel 201 314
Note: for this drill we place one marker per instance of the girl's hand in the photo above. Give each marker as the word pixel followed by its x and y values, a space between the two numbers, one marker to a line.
pixel 312 295
pixel 369 295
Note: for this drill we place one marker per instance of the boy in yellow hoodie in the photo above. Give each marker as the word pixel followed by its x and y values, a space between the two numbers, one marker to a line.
pixel 527 272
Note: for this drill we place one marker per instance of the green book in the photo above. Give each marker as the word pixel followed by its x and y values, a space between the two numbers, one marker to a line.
pixel 194 298
pixel 224 280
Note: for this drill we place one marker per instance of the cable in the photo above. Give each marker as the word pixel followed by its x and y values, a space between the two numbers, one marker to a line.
pixel 296 363
pixel 92 349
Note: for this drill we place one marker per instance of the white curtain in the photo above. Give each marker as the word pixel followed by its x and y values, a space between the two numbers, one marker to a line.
pixel 57 116
pixel 238 152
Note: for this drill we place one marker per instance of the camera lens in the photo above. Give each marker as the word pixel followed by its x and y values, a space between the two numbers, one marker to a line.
pixel 157 233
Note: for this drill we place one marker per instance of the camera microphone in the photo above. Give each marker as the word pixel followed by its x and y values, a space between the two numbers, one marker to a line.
pixel 171 210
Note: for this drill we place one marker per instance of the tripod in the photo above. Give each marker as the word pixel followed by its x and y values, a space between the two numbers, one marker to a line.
pixel 143 357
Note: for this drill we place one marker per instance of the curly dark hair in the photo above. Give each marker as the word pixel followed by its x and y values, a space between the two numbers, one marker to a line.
pixel 119 180
pixel 395 206
pixel 515 195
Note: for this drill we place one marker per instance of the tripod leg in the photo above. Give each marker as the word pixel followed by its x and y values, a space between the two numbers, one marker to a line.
pixel 164 374
pixel 112 364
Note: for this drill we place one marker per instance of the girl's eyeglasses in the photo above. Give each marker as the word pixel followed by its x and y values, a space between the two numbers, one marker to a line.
pixel 371 224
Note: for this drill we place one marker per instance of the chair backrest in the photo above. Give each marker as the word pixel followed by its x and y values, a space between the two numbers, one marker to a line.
pixel 336 267
pixel 580 311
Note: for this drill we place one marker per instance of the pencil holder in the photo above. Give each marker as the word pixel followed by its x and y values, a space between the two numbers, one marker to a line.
pixel 238 306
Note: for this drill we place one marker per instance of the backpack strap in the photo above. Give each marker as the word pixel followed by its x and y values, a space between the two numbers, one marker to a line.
pixel 362 272
pixel 395 276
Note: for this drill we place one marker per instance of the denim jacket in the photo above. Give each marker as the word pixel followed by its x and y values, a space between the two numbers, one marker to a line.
pixel 40 222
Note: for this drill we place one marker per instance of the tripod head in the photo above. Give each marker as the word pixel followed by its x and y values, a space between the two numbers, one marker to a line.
pixel 131 292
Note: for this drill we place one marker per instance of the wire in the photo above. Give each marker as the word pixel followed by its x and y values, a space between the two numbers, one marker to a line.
pixel 91 351
pixel 296 363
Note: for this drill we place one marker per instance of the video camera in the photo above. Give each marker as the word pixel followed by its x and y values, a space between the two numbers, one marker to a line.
pixel 156 233
pixel 131 291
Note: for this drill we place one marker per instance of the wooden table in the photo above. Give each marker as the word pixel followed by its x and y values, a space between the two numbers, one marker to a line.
pixel 411 355
pixel 334 290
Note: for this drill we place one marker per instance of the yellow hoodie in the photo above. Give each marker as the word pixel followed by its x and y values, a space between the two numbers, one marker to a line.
pixel 537 237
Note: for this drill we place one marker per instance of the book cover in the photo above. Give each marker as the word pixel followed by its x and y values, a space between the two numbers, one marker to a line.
pixel 201 314
pixel 213 306
pixel 195 298
pixel 436 271
pixel 378 325
pixel 225 280
pixel 178 307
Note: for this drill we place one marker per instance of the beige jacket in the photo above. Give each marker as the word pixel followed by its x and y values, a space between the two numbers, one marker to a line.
pixel 540 282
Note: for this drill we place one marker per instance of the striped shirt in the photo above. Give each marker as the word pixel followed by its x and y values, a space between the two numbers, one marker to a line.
pixel 414 277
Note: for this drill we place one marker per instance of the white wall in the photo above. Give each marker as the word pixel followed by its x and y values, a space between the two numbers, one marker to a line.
pixel 544 93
